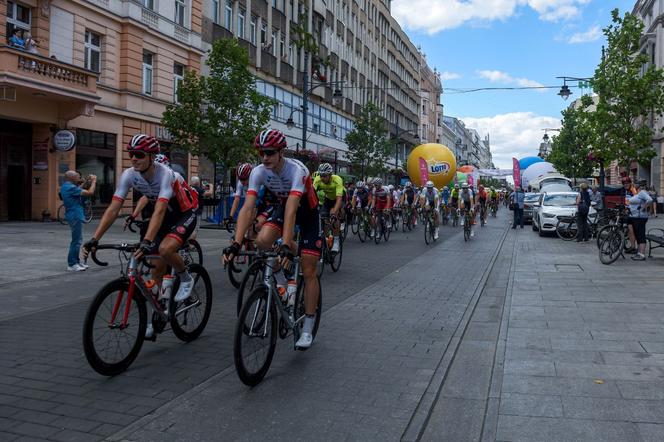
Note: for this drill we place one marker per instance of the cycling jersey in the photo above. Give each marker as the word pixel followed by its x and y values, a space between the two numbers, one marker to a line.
pixel 381 198
pixel 483 196
pixel 293 179
pixel 164 185
pixel 361 195
pixel 493 195
pixel 240 190
pixel 445 195
pixel 410 195
pixel 332 190
pixel 431 196
pixel 465 196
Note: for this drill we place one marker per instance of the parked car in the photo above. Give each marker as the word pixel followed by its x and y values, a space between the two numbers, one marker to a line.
pixel 550 206
pixel 528 202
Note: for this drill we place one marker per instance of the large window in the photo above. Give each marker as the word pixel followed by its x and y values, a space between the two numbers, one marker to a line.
pixel 178 78
pixel 147 72
pixel 18 16
pixel 252 30
pixel 215 11
pixel 180 9
pixel 92 51
pixel 148 4
pixel 240 23
pixel 228 16
pixel 95 154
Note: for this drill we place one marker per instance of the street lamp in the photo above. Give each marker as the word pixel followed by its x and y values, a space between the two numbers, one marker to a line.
pixel 336 97
pixel 565 91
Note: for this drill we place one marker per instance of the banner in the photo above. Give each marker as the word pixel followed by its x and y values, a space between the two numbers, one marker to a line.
pixel 495 172
pixel 516 173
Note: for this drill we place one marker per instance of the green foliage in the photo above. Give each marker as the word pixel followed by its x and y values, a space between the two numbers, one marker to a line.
pixel 570 149
pixel 368 144
pixel 630 91
pixel 219 115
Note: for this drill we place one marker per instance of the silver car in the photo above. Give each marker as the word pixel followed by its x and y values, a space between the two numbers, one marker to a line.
pixel 528 202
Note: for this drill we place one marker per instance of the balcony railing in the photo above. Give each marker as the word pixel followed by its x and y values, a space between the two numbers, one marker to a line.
pixel 17 66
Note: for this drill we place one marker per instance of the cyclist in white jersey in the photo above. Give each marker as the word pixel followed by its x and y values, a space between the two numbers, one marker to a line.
pixel 290 181
pixel 173 219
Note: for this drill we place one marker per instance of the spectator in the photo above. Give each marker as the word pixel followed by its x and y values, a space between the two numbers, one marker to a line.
pixel 16 40
pixel 653 195
pixel 639 205
pixel 517 199
pixel 598 199
pixel 71 193
pixel 30 43
pixel 583 200
pixel 195 184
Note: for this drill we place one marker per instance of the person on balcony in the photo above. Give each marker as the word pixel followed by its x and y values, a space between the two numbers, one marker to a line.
pixel 16 40
pixel 29 43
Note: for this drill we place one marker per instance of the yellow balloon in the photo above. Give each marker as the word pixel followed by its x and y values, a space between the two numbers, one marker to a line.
pixel 431 162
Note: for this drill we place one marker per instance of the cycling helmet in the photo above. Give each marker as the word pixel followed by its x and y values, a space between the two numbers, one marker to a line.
pixel 359 184
pixel 377 182
pixel 429 184
pixel 243 171
pixel 163 159
pixel 481 187
pixel 270 139
pixel 325 169
pixel 144 143
pixel 391 187
pixel 409 184
pixel 456 186
pixel 464 185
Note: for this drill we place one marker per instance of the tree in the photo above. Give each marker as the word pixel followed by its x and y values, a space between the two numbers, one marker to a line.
pixel 570 149
pixel 629 90
pixel 368 144
pixel 219 115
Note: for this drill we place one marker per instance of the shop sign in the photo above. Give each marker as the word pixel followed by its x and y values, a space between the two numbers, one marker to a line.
pixel 64 140
pixel 40 155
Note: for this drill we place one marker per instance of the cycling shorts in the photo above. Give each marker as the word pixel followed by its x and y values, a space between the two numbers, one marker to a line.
pixel 310 230
pixel 176 225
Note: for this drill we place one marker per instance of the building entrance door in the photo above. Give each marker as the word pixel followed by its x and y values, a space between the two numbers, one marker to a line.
pixel 15 172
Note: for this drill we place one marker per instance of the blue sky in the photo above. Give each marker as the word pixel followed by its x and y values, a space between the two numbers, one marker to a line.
pixel 498 43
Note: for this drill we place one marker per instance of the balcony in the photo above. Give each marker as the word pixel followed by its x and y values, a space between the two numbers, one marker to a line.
pixel 50 79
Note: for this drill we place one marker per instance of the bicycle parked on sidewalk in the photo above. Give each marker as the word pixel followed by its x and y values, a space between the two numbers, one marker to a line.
pixel 87 212
pixel 615 240
pixel 116 320
pixel 264 316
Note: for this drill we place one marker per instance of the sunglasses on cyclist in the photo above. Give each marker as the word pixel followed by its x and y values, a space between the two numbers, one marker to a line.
pixel 138 155
pixel 267 153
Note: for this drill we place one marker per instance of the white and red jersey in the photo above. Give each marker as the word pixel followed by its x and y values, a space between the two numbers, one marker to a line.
pixel 240 190
pixel 165 185
pixel 381 196
pixel 293 179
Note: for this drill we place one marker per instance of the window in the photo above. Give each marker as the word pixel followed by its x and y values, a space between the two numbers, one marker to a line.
pixel 263 32
pixel 148 4
pixel 178 78
pixel 147 73
pixel 18 16
pixel 273 42
pixel 240 24
pixel 252 30
pixel 228 16
pixel 282 48
pixel 215 11
pixel 180 8
pixel 92 51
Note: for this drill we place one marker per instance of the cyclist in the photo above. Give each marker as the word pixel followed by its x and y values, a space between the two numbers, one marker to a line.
pixel 454 198
pixel 330 189
pixel 243 172
pixel 493 197
pixel 172 206
pixel 482 197
pixel 380 201
pixel 466 202
pixel 360 196
pixel 444 200
pixel 289 180
pixel 408 201
pixel 430 201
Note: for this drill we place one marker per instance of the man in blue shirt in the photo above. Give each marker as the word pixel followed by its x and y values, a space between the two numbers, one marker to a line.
pixel 518 198
pixel 71 194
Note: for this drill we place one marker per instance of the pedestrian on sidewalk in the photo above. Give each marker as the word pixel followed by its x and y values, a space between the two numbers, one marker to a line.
pixel 71 193
pixel 517 202
pixel 653 195
pixel 583 200
pixel 639 205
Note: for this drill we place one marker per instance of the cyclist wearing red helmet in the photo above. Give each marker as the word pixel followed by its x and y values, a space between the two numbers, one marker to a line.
pixel 243 172
pixel 290 181
pixel 173 203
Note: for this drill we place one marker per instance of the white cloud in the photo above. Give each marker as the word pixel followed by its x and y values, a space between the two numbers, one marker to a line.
pixel 591 34
pixel 512 135
pixel 449 76
pixel 505 78
pixel 432 16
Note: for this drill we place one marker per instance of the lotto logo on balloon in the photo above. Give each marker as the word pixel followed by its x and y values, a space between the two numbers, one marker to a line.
pixel 431 162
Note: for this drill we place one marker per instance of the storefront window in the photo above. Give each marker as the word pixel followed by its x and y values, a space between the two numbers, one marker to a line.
pixel 95 155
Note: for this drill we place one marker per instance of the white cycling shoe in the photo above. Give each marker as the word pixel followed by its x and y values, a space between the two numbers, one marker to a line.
pixel 185 289
pixel 305 341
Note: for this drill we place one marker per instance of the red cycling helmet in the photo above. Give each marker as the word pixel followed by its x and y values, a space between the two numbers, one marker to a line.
pixel 144 143
pixel 243 171
pixel 270 139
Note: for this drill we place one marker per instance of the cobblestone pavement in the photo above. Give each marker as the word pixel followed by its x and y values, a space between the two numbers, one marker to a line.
pixel 47 390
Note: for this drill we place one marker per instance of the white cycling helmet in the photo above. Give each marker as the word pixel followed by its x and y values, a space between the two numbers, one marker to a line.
pixel 325 169
pixel 391 187
pixel 464 185
pixel 378 182
pixel 409 184
pixel 359 184
pixel 429 184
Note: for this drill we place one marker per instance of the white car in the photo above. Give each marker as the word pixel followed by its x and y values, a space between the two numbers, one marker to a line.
pixel 550 206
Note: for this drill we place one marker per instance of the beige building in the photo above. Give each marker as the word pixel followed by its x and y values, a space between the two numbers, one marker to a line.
pixel 431 89
pixel 103 70
pixel 360 44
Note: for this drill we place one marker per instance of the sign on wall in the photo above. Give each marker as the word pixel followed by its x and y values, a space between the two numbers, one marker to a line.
pixel 64 140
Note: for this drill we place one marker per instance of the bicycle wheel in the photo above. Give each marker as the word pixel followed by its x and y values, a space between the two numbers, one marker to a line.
pixel 386 230
pixel 108 347
pixel 298 310
pixel 192 253
pixel 252 277
pixel 566 229
pixel 611 247
pixel 88 212
pixel 189 317
pixel 604 232
pixel 466 230
pixel 354 224
pixel 427 230
pixel 255 337
pixel 362 229
pixel 379 230
pixel 61 215
pixel 335 257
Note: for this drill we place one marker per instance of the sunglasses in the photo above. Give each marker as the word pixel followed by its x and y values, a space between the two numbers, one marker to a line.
pixel 138 155
pixel 267 153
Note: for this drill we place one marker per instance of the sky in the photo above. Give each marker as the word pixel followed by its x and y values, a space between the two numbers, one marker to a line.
pixel 508 43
